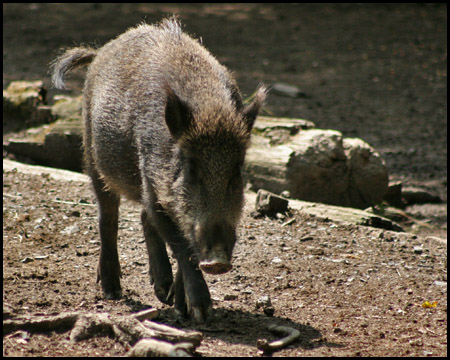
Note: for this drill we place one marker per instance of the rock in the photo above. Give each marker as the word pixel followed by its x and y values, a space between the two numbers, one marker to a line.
pixel 263 301
pixel 319 166
pixel 367 173
pixel 70 230
pixel 418 250
pixel 270 204
pixel 287 90
pixel 394 195
pixel 24 105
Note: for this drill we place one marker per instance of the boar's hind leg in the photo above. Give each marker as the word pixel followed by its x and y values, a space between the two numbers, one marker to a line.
pixel 160 268
pixel 108 211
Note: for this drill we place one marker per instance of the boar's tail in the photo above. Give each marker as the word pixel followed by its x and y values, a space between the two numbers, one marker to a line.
pixel 68 61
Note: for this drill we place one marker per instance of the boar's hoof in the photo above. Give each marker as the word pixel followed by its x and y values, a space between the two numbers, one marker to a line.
pixel 215 267
pixel 112 295
pixel 199 316
pixel 195 313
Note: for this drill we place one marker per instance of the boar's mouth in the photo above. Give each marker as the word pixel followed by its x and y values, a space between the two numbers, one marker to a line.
pixel 215 266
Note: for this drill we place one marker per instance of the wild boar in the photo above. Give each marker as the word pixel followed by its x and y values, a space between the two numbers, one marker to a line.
pixel 165 125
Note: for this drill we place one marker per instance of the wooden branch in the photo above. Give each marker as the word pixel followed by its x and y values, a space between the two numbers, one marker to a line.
pixel 158 348
pixel 171 334
pixel 147 314
pixel 62 322
pixel 290 334
pixel 126 329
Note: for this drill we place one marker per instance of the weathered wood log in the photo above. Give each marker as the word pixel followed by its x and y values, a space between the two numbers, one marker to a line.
pixel 59 144
pixel 334 213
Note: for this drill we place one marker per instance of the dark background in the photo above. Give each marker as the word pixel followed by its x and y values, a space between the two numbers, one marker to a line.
pixel 374 71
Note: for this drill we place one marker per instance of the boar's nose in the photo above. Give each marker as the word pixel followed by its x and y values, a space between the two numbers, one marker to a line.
pixel 215 266
pixel 217 241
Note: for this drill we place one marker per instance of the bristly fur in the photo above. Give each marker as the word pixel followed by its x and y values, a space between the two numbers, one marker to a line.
pixel 68 61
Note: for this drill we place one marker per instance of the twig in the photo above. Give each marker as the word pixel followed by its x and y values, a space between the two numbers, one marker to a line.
pixel 289 222
pixel 71 203
pixel 291 335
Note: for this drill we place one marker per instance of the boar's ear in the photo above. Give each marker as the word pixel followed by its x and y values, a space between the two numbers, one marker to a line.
pixel 251 110
pixel 178 115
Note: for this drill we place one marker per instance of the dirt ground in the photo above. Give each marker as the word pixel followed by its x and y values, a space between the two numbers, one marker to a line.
pixel 377 72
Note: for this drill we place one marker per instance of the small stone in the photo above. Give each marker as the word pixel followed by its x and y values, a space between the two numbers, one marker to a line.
pixel 270 204
pixel 418 250
pixel 70 230
pixel 264 301
pixel 287 90
pixel 276 260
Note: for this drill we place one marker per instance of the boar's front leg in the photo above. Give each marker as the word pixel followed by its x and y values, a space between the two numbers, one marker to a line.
pixel 160 268
pixel 190 289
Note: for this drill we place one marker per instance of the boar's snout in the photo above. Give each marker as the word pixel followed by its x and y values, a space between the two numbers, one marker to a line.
pixel 218 265
pixel 216 246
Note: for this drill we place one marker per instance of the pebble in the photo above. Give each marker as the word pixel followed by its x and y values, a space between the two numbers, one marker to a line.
pixel 263 300
pixel 418 250
pixel 287 90
pixel 276 260
pixel 70 230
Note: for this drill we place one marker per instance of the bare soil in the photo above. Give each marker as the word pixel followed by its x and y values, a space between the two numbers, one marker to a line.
pixel 377 72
